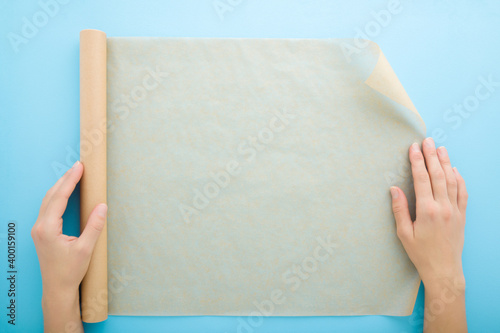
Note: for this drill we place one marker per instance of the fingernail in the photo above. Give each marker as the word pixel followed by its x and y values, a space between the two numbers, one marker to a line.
pixel 415 147
pixel 70 170
pixel 442 151
pixel 455 169
pixel 101 210
pixel 429 143
pixel 394 192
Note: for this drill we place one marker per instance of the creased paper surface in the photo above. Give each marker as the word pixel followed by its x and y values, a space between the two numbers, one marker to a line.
pixel 253 175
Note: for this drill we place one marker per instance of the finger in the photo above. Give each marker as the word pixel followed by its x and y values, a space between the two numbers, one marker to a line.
pixel 50 192
pixel 94 227
pixel 59 200
pixel 463 196
pixel 404 223
pixel 438 180
pixel 421 180
pixel 451 179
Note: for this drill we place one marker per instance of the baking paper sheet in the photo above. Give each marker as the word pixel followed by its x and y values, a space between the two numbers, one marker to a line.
pixel 253 175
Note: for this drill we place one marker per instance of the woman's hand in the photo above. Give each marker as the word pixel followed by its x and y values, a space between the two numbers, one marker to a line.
pixel 64 260
pixel 434 241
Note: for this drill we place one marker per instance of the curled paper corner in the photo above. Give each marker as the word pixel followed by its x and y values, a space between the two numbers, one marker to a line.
pixel 384 80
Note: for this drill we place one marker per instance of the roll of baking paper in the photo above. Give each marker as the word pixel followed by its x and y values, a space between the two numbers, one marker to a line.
pixel 94 288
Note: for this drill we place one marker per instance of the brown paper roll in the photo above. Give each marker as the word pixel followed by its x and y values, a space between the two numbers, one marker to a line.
pixel 94 288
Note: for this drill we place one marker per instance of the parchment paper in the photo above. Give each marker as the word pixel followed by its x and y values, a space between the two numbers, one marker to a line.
pixel 94 289
pixel 253 175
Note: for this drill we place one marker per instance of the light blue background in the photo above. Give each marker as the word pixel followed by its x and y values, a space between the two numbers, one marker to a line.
pixel 438 49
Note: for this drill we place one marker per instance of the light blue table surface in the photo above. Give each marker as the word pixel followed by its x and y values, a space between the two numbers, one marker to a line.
pixel 440 50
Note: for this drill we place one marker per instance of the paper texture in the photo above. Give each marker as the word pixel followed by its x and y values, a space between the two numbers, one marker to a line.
pixel 253 175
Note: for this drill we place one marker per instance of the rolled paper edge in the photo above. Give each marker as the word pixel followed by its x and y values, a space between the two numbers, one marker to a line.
pixel 94 287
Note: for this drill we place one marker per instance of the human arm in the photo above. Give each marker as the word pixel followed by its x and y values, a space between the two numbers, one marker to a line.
pixel 64 260
pixel 434 241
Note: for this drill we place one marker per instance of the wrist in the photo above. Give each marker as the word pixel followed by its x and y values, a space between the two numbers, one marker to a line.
pixel 437 286
pixel 53 297
pixel 61 310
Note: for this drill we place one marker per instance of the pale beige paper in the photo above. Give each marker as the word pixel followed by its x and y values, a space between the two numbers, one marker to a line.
pixel 94 291
pixel 179 109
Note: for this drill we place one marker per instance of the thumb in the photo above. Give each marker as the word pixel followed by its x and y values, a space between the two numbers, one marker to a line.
pixel 404 223
pixel 94 227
